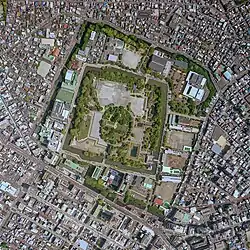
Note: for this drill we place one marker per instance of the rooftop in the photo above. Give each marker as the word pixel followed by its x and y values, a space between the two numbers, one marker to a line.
pixel 65 96
pixel 95 128
pixel 43 69
pixel 158 63
pixel 69 75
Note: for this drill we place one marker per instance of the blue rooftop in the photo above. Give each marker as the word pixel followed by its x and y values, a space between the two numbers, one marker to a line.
pixel 83 244
pixel 228 75
pixel 216 149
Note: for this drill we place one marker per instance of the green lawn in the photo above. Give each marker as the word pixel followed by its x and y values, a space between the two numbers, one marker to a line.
pixel 84 128
pixel 130 200
pixel 155 211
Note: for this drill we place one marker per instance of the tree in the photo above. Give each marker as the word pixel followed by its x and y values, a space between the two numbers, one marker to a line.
pixel 4 245
pixel 74 132
pixel 151 51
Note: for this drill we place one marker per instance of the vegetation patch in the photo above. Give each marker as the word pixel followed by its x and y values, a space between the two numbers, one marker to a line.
pixel 183 107
pixel 130 200
pixel 156 102
pixel 86 101
pixel 116 124
pixel 3 10
pixel 131 40
pixel 84 128
pixel 239 2
pixel 155 211
pixel 133 82
pixel 98 187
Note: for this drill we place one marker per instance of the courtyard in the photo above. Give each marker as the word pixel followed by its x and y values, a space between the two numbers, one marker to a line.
pixel 109 92
pixel 130 59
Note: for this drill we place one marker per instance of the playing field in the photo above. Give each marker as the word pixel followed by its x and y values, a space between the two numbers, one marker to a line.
pixel 130 59
pixel 175 161
pixel 166 190
pixel 179 139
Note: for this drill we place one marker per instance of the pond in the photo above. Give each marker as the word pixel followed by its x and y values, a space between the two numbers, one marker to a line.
pixel 134 151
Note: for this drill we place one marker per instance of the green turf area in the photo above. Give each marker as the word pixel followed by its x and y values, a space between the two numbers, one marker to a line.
pixel 155 211
pixel 116 124
pixel 130 200
pixel 65 96
pixel 84 128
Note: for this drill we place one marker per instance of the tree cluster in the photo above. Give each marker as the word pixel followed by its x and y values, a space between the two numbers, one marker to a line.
pixel 130 200
pixel 99 188
pixel 155 211
pixel 133 82
pixel 152 134
pixel 116 124
pixel 86 101
pixel 128 39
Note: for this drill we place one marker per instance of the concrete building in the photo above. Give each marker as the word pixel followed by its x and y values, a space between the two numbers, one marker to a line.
pixel 195 84
pixel 158 63
pixel 174 179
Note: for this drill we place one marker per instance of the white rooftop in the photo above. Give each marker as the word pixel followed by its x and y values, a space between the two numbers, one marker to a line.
pixel 48 41
pixel 43 69
pixel 112 58
pixel 92 36
pixel 69 75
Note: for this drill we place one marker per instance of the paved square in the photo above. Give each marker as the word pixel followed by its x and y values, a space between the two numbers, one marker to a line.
pixel 130 59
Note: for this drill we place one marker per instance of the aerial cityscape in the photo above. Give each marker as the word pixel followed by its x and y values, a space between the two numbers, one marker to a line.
pixel 125 125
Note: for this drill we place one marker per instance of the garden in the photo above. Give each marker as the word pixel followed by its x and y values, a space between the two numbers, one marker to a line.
pixel 116 124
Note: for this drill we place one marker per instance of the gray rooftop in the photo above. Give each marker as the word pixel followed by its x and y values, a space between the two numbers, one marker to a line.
pixel 158 63
pixel 95 128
